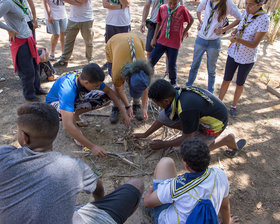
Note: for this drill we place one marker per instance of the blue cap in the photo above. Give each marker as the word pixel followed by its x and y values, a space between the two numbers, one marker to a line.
pixel 138 83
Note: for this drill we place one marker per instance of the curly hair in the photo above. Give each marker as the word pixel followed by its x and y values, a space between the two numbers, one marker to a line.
pixel 160 90
pixel 196 154
pixel 135 67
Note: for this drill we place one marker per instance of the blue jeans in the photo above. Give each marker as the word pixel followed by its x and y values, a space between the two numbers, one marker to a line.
pixel 172 54
pixel 212 48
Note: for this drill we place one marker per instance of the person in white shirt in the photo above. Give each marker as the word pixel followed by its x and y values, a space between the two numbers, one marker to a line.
pixel 80 19
pixel 56 19
pixel 242 53
pixel 209 35
pixel 170 192
pixel 117 20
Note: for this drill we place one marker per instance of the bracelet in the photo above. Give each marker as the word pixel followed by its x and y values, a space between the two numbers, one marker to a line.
pixel 127 107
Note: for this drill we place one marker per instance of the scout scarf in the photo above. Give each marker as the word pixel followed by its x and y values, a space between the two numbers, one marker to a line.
pixel 115 2
pixel 82 91
pixel 175 109
pixel 132 49
pixel 187 181
pixel 58 2
pixel 246 23
pixel 167 34
pixel 24 8
pixel 209 21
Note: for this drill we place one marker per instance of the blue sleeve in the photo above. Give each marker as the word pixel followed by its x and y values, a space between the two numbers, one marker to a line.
pixel 67 94
pixel 102 86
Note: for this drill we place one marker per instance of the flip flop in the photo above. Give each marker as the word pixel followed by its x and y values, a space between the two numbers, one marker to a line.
pixel 82 123
pixel 230 153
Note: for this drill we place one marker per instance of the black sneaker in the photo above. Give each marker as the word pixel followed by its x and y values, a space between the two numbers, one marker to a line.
pixel 41 92
pixel 233 112
pixel 60 64
pixel 138 112
pixel 114 118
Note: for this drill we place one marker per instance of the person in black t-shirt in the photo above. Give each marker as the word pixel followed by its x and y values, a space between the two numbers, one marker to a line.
pixel 193 110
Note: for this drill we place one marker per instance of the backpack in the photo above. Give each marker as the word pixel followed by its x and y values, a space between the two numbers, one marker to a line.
pixel 204 212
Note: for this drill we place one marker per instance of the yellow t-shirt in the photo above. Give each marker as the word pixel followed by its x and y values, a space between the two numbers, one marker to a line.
pixel 118 53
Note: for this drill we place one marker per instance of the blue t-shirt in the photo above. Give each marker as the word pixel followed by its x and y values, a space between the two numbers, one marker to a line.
pixel 66 90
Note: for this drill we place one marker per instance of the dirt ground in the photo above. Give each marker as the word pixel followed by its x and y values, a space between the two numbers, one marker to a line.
pixel 253 174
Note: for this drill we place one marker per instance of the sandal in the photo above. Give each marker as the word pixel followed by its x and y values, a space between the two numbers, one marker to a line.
pixel 230 153
pixel 53 78
pixel 51 57
pixel 82 123
pixel 60 64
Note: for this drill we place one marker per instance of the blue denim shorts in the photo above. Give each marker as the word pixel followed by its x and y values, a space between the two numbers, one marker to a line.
pixel 58 27
pixel 155 212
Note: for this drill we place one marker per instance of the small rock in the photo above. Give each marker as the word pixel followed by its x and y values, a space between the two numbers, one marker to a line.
pixel 259 205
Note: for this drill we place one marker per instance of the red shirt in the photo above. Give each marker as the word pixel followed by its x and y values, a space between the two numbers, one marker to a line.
pixel 178 18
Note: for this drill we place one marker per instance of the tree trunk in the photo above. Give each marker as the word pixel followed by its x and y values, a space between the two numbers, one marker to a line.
pixel 274 31
pixel 274 6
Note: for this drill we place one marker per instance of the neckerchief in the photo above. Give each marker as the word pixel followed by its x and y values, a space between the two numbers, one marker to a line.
pixel 160 3
pixel 116 1
pixel 24 8
pixel 175 108
pixel 58 2
pixel 167 34
pixel 81 91
pixel 209 21
pixel 245 24
pixel 187 181
pixel 132 49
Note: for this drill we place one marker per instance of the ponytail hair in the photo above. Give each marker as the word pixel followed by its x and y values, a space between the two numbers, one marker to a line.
pixel 222 9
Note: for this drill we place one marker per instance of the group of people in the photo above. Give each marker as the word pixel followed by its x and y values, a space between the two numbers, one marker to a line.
pixel 40 185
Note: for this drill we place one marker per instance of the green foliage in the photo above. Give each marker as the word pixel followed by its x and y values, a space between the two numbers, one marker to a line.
pixel 276 16
pixel 266 77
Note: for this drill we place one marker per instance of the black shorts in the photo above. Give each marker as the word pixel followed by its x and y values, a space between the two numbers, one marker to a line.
pixel 120 203
pixel 243 71
pixel 112 30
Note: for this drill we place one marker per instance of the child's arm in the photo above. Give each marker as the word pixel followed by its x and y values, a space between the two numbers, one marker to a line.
pixel 114 98
pixel 185 33
pixel 33 11
pixel 68 120
pixel 154 127
pixel 225 211
pixel 151 199
pixel 145 14
pixel 144 103
pixel 154 40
